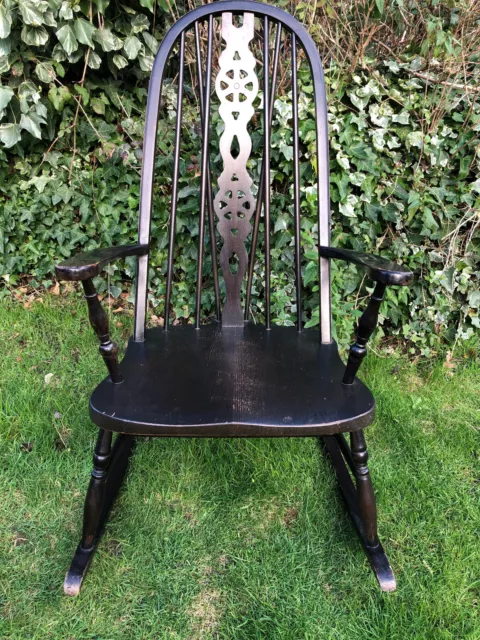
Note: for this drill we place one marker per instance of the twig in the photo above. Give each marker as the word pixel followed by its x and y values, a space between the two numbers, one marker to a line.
pixel 359 291
pixel 424 76
pixel 78 101
pixel 74 125
pixel 51 147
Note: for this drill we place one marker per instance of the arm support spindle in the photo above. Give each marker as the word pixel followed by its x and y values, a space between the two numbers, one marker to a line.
pixel 85 266
pixel 366 326
pixel 383 272
pixel 99 321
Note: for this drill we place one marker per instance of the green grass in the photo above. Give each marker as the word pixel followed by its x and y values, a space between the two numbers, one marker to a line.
pixel 232 539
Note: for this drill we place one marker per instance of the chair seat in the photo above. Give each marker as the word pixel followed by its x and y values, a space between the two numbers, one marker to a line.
pixel 226 382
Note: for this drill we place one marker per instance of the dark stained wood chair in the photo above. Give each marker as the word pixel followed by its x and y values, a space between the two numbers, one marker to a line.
pixel 233 378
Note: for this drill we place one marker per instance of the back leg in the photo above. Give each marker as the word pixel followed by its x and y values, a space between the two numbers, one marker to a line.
pixel 366 496
pixel 360 499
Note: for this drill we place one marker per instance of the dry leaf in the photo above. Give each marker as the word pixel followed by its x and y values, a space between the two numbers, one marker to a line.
pixel 449 364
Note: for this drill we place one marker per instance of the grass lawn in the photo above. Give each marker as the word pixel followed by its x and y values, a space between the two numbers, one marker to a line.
pixel 232 539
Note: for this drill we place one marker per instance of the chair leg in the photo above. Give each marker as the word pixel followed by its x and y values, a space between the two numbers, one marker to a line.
pixel 360 499
pixel 366 497
pixel 109 468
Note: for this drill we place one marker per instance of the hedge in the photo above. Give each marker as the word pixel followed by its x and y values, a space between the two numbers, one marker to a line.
pixel 404 117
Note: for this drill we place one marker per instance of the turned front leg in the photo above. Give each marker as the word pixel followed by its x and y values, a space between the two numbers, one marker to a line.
pixel 96 491
pixel 99 321
pixel 366 496
pixel 366 326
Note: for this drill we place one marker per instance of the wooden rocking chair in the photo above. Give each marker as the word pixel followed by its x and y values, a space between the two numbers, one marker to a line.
pixel 232 378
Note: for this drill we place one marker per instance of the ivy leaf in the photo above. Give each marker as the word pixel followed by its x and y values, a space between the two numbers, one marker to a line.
pixel 10 134
pixel 59 96
pixel 24 106
pixel 34 36
pixel 447 278
pixel 59 68
pixel 187 191
pixel 49 19
pixel 146 63
pixel 129 10
pixel 287 150
pixel 474 299
pixel 119 61
pixel 58 53
pixel 465 164
pixel 5 22
pixel 107 40
pixel 6 94
pixel 75 57
pixel 101 5
pixel 314 320
pixel 84 31
pixel 28 91
pixel 65 12
pixel 132 46
pixel 45 72
pixel 414 139
pixel 402 118
pixel 346 208
pixel 83 93
pixel 42 112
pixel 429 222
pixel 140 23
pixel 98 106
pixel 31 123
pixel 30 14
pixel 5 46
pixel 4 65
pixel 114 291
pixel 67 39
pixel 151 42
pixel 94 60
pixel 148 4
pixel 380 6
pixel 363 152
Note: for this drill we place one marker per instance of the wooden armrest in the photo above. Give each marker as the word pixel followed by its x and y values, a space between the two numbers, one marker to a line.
pixel 377 268
pixel 89 264
pixel 383 272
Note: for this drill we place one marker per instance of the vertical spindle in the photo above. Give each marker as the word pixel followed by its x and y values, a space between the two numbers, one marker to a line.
pixel 204 169
pixel 211 212
pixel 266 194
pixel 258 206
pixel 176 163
pixel 296 183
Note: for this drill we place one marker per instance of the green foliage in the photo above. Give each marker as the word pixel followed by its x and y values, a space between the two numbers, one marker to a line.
pixel 44 45
pixel 405 173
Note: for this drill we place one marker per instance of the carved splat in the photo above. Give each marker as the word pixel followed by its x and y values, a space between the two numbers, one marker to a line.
pixel 236 86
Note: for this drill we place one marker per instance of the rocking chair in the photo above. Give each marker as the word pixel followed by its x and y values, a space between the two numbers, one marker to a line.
pixel 233 378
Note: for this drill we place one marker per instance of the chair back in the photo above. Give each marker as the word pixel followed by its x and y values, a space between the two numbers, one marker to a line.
pixel 229 202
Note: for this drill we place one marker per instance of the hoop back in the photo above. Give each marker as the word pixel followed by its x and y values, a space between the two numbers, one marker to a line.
pixel 234 205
